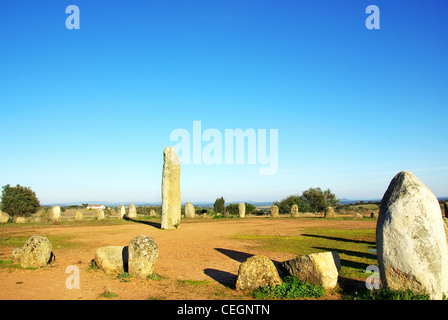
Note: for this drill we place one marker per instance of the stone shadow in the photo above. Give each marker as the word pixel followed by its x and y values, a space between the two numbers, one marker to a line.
pixel 235 255
pixel 340 239
pixel 225 278
pixel 156 225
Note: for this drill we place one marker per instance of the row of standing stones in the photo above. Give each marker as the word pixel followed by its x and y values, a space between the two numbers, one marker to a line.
pixel 411 239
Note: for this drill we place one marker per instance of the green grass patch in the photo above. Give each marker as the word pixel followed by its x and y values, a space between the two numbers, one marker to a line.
pixel 57 241
pixel 193 282
pixel 108 294
pixel 355 247
pixel 387 294
pixel 291 288
pixel 155 277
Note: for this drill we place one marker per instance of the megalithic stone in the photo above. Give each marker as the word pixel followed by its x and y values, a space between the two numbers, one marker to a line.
pixel 132 213
pixel 242 210
pixel 171 203
pixel 122 212
pixel 411 243
pixel 189 210
pixel 294 211
pixel 274 211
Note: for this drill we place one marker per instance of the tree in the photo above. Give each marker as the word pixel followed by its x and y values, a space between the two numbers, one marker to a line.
pixel 285 205
pixel 219 206
pixel 232 208
pixel 19 201
pixel 319 200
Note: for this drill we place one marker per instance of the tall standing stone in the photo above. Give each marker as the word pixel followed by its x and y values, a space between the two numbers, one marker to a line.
pixel 294 211
pixel 189 210
pixel 411 242
pixel 132 213
pixel 274 212
pixel 55 213
pixel 242 210
pixel 122 212
pixel 171 203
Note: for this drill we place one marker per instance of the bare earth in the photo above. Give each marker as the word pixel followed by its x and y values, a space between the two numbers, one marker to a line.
pixel 199 260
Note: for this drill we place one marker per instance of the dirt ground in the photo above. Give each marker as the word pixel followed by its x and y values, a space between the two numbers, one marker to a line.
pixel 199 260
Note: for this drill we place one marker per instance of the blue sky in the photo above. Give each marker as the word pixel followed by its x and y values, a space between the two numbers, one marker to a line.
pixel 85 114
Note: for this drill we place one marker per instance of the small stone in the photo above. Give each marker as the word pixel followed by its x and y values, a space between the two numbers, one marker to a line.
pixel 329 212
pixel 112 259
pixel 257 271
pixel 316 268
pixel 143 254
pixel 36 253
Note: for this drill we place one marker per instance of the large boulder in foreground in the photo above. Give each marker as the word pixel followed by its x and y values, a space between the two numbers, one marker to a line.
pixel 112 259
pixel 317 268
pixel 36 253
pixel 143 254
pixel 411 242
pixel 257 271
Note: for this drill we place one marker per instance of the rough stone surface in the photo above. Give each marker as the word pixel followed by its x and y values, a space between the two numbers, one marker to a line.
pixel 257 271
pixel 189 210
pixel 358 216
pixel 242 210
pixel 4 217
pixel 122 212
pixel 411 242
pixel 329 212
pixel 19 220
pixel 171 201
pixel 143 254
pixel 132 212
pixel 55 213
pixel 79 216
pixel 316 268
pixel 112 259
pixel 100 214
pixel 294 211
pixel 36 253
pixel 274 212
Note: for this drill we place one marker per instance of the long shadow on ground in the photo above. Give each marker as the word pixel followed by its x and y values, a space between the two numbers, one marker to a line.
pixel 340 239
pixel 156 225
pixel 225 278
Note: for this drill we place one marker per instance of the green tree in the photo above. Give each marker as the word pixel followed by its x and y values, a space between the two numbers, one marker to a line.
pixel 284 206
pixel 232 208
pixel 250 208
pixel 219 206
pixel 319 200
pixel 19 201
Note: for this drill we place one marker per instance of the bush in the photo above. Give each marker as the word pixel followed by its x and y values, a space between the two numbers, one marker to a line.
pixel 19 201
pixel 291 288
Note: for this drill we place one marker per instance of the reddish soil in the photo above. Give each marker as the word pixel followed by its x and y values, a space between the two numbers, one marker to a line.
pixel 199 260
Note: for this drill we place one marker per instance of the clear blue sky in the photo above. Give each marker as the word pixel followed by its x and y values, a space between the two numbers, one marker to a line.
pixel 85 114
